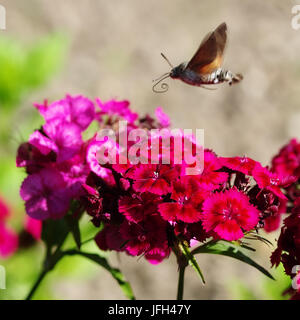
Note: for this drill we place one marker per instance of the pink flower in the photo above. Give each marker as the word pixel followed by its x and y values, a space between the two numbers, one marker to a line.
pixel 77 110
pixel 66 137
pixel 163 118
pixel 153 178
pixel 93 160
pixel 45 195
pixel 158 254
pixel 187 205
pixel 34 227
pixel 118 108
pixel 75 173
pixel 229 214
pixel 4 210
pixel 42 143
pixel 8 241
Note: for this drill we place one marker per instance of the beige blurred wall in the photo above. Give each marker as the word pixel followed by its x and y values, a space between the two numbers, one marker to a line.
pixel 115 53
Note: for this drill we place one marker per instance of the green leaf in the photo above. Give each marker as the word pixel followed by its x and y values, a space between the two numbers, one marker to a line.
pixel 73 225
pixel 191 259
pixel 225 248
pixel 116 273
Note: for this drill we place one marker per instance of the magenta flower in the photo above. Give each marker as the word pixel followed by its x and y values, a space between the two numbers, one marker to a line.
pixel 4 210
pixel 77 110
pixel 45 195
pixel 64 139
pixel 66 136
pixel 75 173
pixel 117 108
pixel 94 160
pixel 33 227
pixel 8 241
pixel 163 118
pixel 158 254
pixel 229 214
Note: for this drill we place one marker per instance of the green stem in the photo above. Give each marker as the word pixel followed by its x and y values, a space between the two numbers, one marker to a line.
pixel 36 284
pixel 180 283
pixel 50 262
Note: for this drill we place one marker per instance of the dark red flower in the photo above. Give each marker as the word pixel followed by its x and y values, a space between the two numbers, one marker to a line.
pixel 211 177
pixel 268 180
pixel 148 237
pixel 153 178
pixel 136 206
pixel 241 164
pixel 287 161
pixel 187 201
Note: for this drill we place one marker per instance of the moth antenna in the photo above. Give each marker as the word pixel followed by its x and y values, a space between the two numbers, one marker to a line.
pixel 160 77
pixel 164 86
pixel 170 64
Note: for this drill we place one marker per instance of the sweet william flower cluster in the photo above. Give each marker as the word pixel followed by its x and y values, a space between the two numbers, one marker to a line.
pixel 141 208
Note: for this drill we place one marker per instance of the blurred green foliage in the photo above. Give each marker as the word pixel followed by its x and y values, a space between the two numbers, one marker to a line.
pixel 23 70
pixel 268 289
pixel 26 68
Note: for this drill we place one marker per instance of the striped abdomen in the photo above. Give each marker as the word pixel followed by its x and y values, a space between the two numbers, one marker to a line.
pixel 218 76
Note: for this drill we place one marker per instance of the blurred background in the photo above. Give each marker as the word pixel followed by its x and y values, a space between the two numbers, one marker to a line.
pixel 111 49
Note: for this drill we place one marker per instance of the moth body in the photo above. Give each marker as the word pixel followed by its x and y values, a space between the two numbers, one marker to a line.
pixel 205 67
pixel 193 78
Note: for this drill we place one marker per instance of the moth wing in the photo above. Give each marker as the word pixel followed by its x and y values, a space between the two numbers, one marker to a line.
pixel 209 55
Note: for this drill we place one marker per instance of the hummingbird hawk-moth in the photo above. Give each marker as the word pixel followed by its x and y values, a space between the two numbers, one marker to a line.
pixel 205 66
